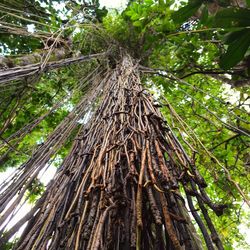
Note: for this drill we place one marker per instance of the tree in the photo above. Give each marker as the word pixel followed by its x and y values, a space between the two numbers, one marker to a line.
pixel 128 161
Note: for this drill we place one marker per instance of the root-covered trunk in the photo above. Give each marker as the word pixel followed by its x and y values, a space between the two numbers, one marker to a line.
pixel 119 186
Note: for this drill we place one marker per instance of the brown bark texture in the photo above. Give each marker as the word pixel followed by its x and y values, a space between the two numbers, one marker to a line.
pixel 119 186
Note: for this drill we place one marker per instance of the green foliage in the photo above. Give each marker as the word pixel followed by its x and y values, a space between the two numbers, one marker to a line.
pixel 232 18
pixel 10 245
pixel 52 88
pixel 187 11
pixel 237 48
pixel 238 41
pixel 35 191
pixel 141 27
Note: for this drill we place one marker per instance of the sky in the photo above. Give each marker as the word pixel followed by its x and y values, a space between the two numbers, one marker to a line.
pixel 117 4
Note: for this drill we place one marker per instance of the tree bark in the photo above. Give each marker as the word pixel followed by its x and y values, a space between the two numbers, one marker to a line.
pixel 118 187
pixel 31 69
pixel 7 62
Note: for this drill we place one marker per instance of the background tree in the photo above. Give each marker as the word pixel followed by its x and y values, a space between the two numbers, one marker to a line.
pixel 82 90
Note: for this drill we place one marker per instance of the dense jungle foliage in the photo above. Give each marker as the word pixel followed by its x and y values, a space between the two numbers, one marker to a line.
pixel 193 57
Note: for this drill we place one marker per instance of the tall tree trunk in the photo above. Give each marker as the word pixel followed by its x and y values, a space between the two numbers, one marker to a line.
pixel 118 187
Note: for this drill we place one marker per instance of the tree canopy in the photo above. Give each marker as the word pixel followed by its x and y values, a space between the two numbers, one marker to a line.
pixel 193 58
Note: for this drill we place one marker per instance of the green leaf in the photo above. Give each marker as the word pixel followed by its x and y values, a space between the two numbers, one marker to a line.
pixel 187 11
pixel 137 24
pixel 236 50
pixel 149 2
pixel 135 16
pixel 129 12
pixel 161 2
pixel 204 15
pixel 232 36
pixel 232 17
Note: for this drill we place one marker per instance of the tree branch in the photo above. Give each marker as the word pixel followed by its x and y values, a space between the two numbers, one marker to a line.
pixel 17 73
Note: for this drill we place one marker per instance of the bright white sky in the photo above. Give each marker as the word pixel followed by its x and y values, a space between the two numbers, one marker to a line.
pixel 117 4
